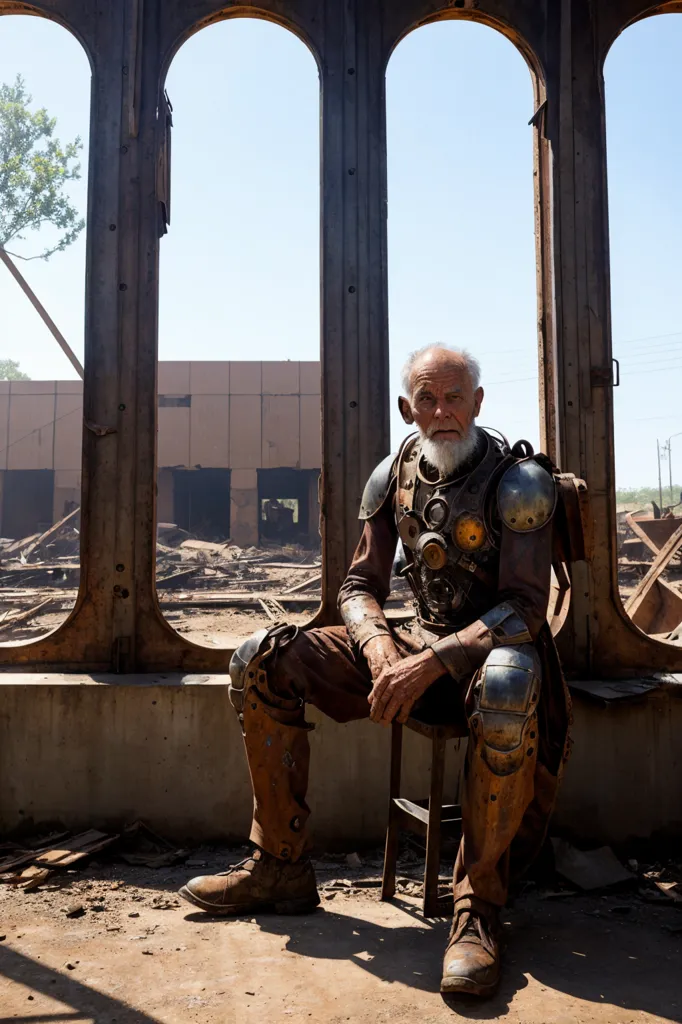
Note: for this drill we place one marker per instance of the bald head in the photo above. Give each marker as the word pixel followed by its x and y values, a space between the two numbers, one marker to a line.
pixel 442 399
pixel 438 358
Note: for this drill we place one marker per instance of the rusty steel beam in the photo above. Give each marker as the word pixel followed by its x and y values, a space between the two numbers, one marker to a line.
pixel 41 311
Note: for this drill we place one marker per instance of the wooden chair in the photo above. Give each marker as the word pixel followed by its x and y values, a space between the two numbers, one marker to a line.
pixel 428 818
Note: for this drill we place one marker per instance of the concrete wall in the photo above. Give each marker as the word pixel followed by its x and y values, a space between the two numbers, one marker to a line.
pixel 242 416
pixel 169 750
pixel 41 424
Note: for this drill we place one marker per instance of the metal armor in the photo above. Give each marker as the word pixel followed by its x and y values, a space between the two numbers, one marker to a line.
pixel 450 530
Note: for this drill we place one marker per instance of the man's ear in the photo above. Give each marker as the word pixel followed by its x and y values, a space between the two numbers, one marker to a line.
pixel 478 399
pixel 405 410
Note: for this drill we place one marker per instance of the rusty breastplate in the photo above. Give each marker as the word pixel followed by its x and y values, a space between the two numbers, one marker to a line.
pixel 449 535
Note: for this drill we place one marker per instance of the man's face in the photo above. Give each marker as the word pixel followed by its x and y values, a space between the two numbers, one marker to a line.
pixel 443 403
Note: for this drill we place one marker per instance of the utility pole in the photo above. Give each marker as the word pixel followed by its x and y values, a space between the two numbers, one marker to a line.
pixel 660 483
pixel 670 465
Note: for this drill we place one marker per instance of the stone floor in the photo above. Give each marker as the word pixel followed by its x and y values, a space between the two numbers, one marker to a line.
pixel 136 954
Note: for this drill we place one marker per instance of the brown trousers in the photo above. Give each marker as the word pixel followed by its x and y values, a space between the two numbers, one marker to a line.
pixel 320 667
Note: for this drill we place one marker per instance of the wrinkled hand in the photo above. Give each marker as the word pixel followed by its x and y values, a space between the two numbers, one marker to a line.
pixel 401 684
pixel 380 653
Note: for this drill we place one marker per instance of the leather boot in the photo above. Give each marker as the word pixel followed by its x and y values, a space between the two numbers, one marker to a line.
pixel 472 959
pixel 261 882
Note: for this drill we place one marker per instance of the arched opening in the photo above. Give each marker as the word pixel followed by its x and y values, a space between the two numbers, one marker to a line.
pixel 44 132
pixel 239 434
pixel 461 232
pixel 643 74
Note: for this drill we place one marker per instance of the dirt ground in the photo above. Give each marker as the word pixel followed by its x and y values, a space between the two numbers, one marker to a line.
pixel 135 953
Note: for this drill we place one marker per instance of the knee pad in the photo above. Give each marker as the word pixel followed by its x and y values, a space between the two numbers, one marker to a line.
pixel 245 663
pixel 505 697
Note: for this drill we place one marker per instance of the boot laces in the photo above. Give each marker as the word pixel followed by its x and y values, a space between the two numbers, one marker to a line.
pixel 248 864
pixel 472 927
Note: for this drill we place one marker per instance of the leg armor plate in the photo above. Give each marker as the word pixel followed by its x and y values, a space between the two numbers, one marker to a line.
pixel 276 740
pixel 505 702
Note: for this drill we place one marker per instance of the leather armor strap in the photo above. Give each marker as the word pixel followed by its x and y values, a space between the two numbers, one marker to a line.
pixel 465 651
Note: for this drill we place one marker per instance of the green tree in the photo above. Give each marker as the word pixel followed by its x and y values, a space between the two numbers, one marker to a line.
pixel 9 370
pixel 34 170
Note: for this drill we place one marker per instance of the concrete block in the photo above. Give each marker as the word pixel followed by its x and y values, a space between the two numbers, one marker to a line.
pixel 309 376
pixel 173 376
pixel 210 431
pixel 68 431
pixel 245 431
pixel 311 432
pixel 209 378
pixel 245 378
pixel 173 437
pixel 31 430
pixel 281 431
pixel 280 378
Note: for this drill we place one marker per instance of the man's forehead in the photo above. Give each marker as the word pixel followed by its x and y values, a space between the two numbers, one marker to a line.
pixel 440 373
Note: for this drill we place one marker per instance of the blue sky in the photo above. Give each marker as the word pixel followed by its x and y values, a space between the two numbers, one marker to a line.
pixel 240 266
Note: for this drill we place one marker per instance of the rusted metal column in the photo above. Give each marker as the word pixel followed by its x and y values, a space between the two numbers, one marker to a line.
pixel 600 637
pixel 354 283
pixel 84 640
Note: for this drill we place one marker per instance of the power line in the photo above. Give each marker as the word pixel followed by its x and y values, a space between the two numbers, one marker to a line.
pixel 651 337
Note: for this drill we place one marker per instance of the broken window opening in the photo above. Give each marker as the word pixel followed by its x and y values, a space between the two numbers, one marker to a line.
pixel 239 370
pixel 44 67
pixel 642 72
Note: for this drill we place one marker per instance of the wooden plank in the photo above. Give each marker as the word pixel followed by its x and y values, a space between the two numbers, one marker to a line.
pixel 42 312
pixel 661 562
pixel 305 583
pixel 25 616
pixel 44 538
pixel 644 537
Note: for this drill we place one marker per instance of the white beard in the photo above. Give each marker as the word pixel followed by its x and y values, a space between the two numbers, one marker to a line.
pixel 446 457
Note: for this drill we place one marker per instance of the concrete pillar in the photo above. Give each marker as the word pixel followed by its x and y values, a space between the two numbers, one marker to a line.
pixel 244 507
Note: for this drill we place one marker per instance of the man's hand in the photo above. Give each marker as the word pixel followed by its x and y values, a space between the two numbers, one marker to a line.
pixel 401 684
pixel 380 653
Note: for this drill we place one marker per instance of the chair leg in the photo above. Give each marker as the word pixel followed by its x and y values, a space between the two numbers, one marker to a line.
pixel 392 831
pixel 432 868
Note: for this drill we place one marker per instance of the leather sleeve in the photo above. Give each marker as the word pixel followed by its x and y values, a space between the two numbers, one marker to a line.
pixel 525 574
pixel 368 583
pixel 521 609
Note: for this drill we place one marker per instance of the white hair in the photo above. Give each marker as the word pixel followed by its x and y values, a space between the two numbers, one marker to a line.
pixel 471 365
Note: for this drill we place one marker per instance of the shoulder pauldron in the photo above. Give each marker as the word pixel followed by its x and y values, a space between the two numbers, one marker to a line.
pixel 377 488
pixel 526 496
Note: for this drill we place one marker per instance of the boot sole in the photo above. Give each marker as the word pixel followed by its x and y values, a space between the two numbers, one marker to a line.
pixel 302 905
pixel 467 987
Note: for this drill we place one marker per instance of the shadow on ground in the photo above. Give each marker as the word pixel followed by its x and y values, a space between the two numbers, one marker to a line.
pixel 86 1003
pixel 631 961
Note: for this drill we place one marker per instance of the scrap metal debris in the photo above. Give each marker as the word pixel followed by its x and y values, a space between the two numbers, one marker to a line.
pixel 28 865
pixel 650 570
pixel 589 869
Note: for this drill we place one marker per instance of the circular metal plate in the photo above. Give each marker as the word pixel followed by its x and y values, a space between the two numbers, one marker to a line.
pixel 434 556
pixel 409 531
pixel 468 533
pixel 436 512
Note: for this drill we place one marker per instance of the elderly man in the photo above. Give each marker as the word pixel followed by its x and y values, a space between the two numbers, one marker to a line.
pixel 475 522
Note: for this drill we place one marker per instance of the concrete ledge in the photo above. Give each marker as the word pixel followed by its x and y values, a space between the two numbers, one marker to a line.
pixel 99 750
